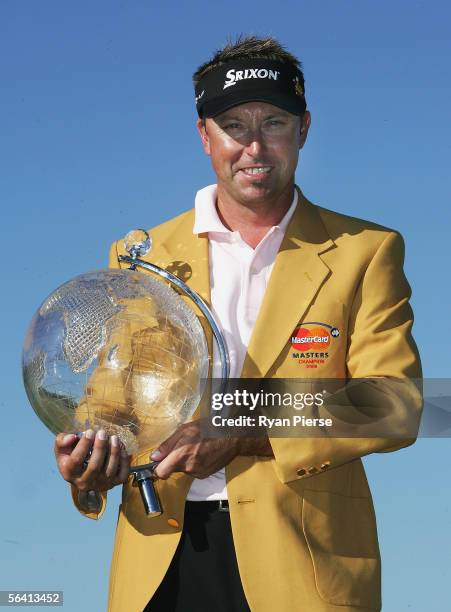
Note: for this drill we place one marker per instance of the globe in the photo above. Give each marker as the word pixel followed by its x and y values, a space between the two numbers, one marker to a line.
pixel 117 350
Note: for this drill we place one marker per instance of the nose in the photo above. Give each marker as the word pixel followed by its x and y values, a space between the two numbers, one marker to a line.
pixel 254 143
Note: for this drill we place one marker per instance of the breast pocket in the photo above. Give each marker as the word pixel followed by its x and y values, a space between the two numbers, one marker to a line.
pixel 342 539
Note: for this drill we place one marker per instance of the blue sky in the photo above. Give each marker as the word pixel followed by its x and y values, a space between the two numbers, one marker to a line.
pixel 98 137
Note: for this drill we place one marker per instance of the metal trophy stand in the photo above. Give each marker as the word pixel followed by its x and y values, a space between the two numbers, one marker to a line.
pixel 138 243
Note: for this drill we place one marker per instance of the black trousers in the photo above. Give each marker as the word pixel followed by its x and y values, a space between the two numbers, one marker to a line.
pixel 203 575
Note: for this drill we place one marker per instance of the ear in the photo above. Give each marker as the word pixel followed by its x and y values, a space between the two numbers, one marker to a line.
pixel 202 129
pixel 305 126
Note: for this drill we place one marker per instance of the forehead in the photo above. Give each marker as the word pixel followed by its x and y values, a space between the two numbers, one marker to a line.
pixel 253 109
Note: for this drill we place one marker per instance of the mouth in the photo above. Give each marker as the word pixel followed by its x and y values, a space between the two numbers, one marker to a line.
pixel 256 170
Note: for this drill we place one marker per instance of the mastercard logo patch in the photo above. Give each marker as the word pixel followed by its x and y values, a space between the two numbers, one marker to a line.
pixel 311 342
pixel 316 338
pixel 313 336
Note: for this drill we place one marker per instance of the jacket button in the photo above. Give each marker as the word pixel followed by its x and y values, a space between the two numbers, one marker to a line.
pixel 173 522
pixel 312 469
pixel 325 465
pixel 301 472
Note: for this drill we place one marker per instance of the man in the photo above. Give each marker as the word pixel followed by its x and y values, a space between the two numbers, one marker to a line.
pixel 270 264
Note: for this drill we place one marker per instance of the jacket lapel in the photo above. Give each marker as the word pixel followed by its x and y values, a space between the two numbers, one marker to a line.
pixel 297 275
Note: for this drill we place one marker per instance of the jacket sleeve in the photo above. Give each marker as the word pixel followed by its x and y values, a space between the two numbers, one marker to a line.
pixel 91 503
pixel 383 411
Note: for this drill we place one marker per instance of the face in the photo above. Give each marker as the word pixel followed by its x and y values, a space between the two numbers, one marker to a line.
pixel 254 149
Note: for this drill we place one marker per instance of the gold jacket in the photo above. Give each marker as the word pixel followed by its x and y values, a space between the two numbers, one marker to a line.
pixel 303 522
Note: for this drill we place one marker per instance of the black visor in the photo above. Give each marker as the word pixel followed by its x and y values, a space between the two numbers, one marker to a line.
pixel 259 80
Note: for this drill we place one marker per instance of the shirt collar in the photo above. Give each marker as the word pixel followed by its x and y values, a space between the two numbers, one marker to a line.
pixel 206 218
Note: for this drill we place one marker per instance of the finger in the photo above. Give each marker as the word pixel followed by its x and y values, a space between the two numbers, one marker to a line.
pixel 64 443
pixel 168 445
pixel 113 458
pixel 124 467
pixel 80 454
pixel 97 458
pixel 168 466
pixel 165 448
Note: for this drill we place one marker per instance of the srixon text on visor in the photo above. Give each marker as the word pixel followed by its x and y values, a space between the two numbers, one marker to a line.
pixel 234 75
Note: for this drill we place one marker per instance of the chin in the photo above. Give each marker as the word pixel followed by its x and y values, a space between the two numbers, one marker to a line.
pixel 257 192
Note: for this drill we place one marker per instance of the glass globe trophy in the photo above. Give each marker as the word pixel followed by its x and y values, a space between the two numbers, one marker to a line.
pixel 121 351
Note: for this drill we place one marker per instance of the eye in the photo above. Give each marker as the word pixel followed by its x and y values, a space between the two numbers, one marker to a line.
pixel 232 126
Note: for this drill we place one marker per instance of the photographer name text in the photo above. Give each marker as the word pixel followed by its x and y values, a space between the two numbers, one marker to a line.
pixel 296 420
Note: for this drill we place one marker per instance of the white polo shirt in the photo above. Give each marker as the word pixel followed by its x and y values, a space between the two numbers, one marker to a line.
pixel 239 276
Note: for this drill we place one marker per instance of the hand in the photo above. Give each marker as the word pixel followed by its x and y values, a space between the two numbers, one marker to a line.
pixel 186 451
pixel 105 468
